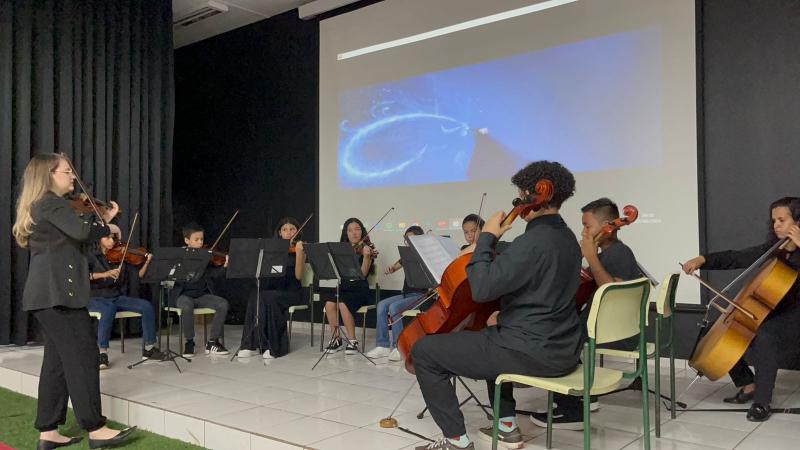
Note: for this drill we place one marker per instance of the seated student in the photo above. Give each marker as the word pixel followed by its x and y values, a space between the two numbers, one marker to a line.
pixel 775 343
pixel 471 226
pixel 391 307
pixel 200 294
pixel 353 294
pixel 277 295
pixel 538 332
pixel 108 297
pixel 609 260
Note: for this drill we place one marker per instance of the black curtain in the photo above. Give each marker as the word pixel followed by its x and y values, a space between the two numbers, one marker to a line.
pixel 92 79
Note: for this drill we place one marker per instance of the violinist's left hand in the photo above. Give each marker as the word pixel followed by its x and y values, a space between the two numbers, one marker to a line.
pixel 493 225
pixel 110 213
pixel 227 260
pixel 147 258
pixel 299 247
pixel 794 235
pixel 588 245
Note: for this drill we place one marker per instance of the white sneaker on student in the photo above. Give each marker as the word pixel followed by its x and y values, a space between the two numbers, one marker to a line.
pixel 378 352
pixel 267 355
pixel 395 355
pixel 244 353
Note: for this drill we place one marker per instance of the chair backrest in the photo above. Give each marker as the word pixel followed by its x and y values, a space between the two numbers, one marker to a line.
pixel 372 276
pixel 308 276
pixel 618 310
pixel 665 302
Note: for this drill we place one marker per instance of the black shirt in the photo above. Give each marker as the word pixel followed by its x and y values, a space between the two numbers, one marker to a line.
pixel 740 259
pixel 536 279
pixel 619 262
pixel 103 287
pixel 58 273
pixel 288 281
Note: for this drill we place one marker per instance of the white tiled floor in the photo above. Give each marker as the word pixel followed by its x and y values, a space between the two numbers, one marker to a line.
pixel 283 404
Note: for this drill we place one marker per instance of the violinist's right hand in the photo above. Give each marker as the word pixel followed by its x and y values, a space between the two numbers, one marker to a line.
pixel 113 274
pixel 109 214
pixel 693 264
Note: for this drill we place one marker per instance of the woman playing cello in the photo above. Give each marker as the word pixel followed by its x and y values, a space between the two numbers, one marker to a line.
pixel 769 350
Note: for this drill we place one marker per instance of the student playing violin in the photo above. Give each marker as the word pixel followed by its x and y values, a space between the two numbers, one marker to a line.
pixel 108 297
pixel 392 307
pixel 353 294
pixel 277 296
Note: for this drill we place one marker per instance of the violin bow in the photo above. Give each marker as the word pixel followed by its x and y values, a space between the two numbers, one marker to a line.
pixel 480 208
pixel 224 230
pixel 297 233
pixel 127 245
pixel 83 189
pixel 363 238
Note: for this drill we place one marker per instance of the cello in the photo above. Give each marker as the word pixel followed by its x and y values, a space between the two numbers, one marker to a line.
pixel 725 343
pixel 588 286
pixel 454 309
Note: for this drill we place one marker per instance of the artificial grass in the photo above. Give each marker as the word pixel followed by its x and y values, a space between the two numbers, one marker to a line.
pixel 18 412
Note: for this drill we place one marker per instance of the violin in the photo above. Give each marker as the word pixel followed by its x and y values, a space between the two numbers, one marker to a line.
pixel 82 204
pixel 133 256
pixel 454 309
pixel 588 286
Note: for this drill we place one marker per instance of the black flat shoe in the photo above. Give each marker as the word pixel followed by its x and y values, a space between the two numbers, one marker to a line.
pixel 116 441
pixel 740 398
pixel 50 445
pixel 758 413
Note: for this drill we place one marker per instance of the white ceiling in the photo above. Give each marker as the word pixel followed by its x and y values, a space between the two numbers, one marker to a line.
pixel 240 13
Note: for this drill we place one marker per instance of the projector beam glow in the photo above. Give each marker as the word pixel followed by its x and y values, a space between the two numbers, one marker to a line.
pixel 454 28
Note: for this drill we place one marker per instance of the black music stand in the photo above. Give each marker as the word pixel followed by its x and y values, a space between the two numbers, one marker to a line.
pixel 343 265
pixel 170 265
pixel 256 258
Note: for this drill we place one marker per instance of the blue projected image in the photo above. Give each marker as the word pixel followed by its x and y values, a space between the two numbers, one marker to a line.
pixel 592 105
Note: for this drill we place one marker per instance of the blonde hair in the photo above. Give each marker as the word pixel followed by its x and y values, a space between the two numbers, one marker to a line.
pixel 36 182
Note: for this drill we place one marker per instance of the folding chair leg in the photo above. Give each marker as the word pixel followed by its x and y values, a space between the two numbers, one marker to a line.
pixel 289 341
pixel 672 379
pixel 496 415
pixel 322 328
pixel 180 333
pixel 364 330
pixel 122 334
pixel 205 330
pixel 658 376
pixel 549 442
pixel 646 407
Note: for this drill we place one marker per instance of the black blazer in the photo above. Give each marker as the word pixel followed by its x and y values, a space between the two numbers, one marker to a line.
pixel 59 273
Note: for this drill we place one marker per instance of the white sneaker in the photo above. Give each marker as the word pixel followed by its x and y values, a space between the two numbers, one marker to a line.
pixel 247 353
pixel 395 355
pixel 378 352
pixel 267 355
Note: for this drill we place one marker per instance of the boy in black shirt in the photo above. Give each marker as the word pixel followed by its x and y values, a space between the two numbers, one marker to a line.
pixel 537 331
pixel 614 262
pixel 200 294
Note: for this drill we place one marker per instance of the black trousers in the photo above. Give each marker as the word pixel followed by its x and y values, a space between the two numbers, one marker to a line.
pixel 273 313
pixel 69 370
pixel 774 346
pixel 437 358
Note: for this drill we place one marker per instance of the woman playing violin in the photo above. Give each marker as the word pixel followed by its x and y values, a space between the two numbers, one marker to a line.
pixel 57 293
pixel 353 294
pixel 773 346
pixel 109 296
pixel 537 331
pixel 277 295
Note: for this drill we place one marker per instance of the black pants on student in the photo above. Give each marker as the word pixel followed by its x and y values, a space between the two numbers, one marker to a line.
pixel 273 313
pixel 472 354
pixel 69 370
pixel 774 346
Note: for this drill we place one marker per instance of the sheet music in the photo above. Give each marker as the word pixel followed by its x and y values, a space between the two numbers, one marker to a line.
pixel 436 252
